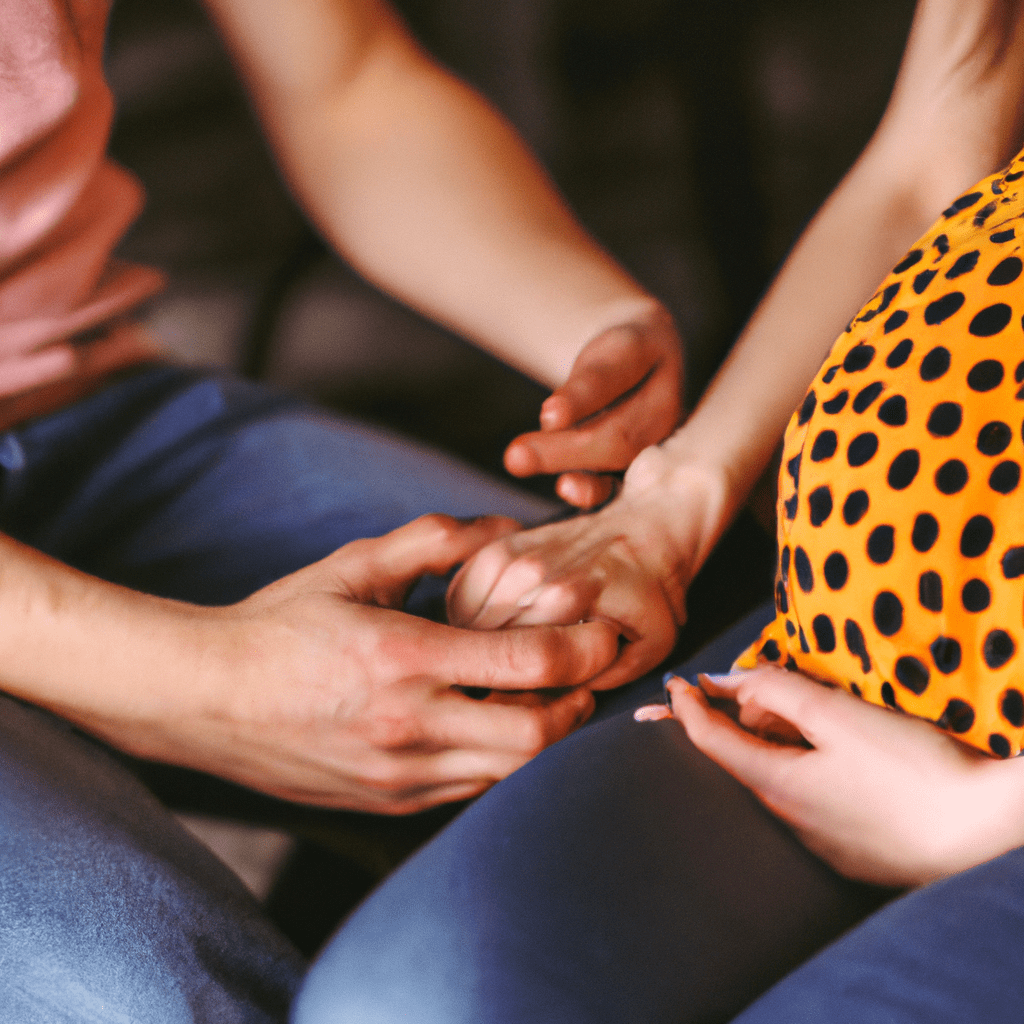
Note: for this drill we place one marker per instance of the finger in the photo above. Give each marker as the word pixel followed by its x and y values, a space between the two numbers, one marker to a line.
pixel 608 367
pixel 652 713
pixel 585 490
pixel 755 762
pixel 489 592
pixel 809 706
pixel 512 727
pixel 523 658
pixel 382 569
pixel 607 441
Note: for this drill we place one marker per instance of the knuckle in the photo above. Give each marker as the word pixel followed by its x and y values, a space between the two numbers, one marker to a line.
pixel 438 528
pixel 531 734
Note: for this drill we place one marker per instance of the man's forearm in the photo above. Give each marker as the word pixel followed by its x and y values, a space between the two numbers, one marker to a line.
pixel 95 653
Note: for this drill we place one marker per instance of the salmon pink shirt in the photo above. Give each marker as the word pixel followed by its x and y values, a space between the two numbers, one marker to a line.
pixel 64 205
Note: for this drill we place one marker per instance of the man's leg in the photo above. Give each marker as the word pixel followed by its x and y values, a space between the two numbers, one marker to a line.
pixel 620 876
pixel 109 910
pixel 201 488
pixel 950 953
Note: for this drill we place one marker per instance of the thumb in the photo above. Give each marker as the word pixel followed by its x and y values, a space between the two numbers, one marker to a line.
pixel 382 570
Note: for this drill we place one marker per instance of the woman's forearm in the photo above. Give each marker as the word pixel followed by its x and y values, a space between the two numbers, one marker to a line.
pixel 954 116
pixel 422 185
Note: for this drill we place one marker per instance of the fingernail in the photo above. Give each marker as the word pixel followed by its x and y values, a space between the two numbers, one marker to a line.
pixel 722 678
pixel 651 713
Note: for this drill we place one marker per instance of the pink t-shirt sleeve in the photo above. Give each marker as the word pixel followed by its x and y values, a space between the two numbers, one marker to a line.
pixel 64 205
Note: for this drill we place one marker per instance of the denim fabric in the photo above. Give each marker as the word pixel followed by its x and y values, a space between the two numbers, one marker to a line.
pixel 618 877
pixel 621 877
pixel 950 953
pixel 196 486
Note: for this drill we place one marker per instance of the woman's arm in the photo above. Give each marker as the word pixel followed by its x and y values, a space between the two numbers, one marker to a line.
pixel 954 116
pixel 427 191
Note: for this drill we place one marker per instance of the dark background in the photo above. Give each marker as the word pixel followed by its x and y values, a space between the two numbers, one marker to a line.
pixel 694 139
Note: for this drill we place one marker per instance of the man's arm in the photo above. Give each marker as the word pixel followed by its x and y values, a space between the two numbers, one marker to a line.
pixel 316 689
pixel 427 191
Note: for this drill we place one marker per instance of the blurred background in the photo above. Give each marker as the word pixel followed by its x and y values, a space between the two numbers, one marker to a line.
pixel 693 137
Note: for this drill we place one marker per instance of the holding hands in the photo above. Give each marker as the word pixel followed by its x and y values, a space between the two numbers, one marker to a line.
pixel 881 796
pixel 628 564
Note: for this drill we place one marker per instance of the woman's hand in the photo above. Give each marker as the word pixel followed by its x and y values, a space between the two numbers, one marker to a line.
pixel 881 796
pixel 628 564
pixel 622 395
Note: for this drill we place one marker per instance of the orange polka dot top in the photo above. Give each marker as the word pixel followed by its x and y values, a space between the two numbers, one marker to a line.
pixel 901 511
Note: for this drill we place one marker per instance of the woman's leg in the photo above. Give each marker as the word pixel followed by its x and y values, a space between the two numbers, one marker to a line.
pixel 950 953
pixel 620 876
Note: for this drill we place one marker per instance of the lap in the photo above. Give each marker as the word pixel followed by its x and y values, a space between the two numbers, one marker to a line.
pixel 945 954
pixel 109 910
pixel 618 876
pixel 200 486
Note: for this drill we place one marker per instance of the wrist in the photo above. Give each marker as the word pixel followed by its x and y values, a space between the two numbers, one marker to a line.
pixel 678 509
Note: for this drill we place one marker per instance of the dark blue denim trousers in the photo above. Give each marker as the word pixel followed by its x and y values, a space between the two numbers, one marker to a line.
pixel 619 877
pixel 195 486
pixel 622 878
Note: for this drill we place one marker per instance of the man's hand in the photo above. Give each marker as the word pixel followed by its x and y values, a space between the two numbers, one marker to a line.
pixel 881 796
pixel 318 689
pixel 622 395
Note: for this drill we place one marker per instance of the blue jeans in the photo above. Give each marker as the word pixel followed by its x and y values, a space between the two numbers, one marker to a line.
pixel 622 877
pixel 194 486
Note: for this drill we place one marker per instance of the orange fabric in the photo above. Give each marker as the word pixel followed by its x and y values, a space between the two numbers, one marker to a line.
pixel 901 510
pixel 63 204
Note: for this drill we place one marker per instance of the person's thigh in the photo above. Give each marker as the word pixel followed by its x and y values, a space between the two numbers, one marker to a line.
pixel 619 876
pixel 951 953
pixel 109 910
pixel 204 487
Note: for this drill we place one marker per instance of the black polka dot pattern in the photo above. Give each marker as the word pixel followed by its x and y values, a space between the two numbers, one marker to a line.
pixel 825 445
pixel 912 674
pixel 900 354
pixel 975 596
pixel 820 502
pixel 976 536
pixel 999 648
pixel 824 634
pixel 887 613
pixel 893 411
pixel 985 375
pixel 903 469
pixel 935 364
pixel 855 644
pixel 942 309
pixel 929 591
pixel 951 477
pixel 881 544
pixel 836 570
pixel 945 419
pixel 862 449
pixel 994 438
pixel 901 534
pixel 855 507
pixel 1006 271
pixel 926 532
